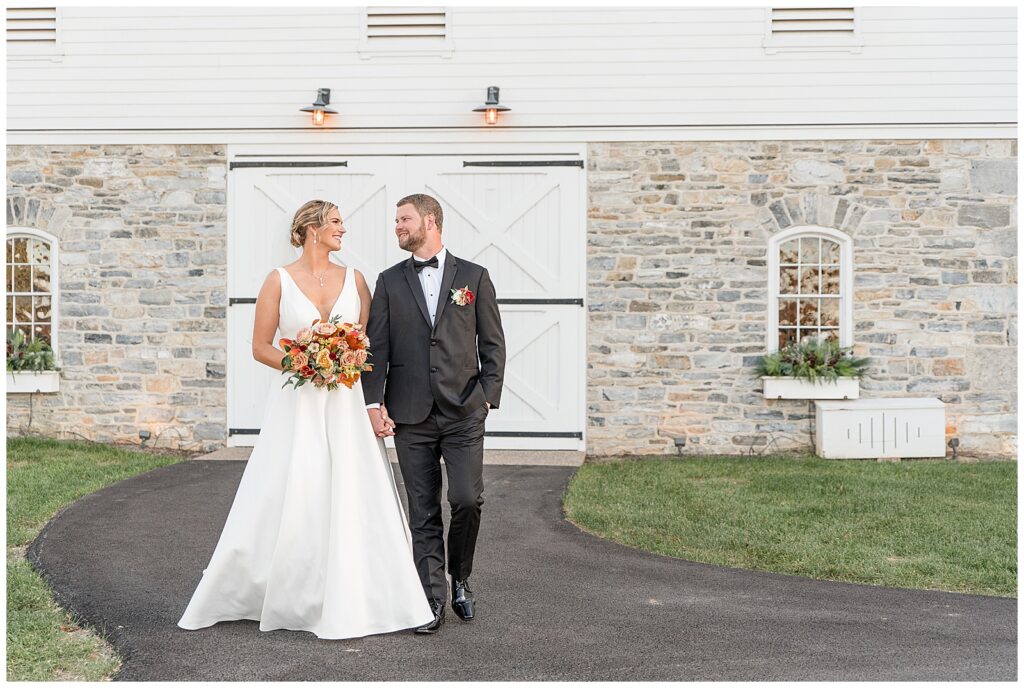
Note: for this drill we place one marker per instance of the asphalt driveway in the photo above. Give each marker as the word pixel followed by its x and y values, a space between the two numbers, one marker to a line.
pixel 554 603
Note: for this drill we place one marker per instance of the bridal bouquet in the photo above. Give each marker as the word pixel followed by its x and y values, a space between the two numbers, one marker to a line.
pixel 326 354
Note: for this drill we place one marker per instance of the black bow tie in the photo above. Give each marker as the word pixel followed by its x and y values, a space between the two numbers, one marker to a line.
pixel 417 265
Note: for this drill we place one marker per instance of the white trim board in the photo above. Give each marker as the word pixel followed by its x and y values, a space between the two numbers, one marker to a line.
pixel 398 140
pixel 420 147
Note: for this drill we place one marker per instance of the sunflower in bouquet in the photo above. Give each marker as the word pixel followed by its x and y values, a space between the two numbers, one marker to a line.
pixel 326 354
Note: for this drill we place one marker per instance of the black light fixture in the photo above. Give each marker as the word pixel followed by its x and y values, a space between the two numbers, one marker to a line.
pixel 491 108
pixel 319 107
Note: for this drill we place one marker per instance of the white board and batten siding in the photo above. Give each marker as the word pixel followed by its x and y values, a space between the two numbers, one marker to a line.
pixel 523 221
pixel 240 75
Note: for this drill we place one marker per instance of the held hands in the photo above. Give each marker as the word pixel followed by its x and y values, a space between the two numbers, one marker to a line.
pixel 382 424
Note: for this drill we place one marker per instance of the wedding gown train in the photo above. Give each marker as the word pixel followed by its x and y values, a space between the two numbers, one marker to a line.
pixel 316 539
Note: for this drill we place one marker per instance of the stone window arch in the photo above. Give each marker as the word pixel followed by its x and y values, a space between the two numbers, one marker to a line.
pixel 810 286
pixel 32 284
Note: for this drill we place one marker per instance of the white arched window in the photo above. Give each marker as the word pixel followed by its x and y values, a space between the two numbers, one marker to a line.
pixel 32 283
pixel 810 286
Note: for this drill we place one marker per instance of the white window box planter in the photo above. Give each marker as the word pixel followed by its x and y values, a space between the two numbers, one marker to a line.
pixel 26 381
pixel 780 387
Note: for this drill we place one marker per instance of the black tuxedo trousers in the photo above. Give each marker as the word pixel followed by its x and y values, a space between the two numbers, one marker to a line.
pixel 420 446
pixel 436 381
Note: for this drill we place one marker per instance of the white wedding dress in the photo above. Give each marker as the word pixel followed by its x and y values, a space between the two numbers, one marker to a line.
pixel 316 539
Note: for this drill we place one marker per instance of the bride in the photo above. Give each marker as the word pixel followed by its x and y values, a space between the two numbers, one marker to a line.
pixel 316 539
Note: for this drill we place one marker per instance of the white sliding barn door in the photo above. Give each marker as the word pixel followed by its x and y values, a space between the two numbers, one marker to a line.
pixel 521 219
pixel 262 201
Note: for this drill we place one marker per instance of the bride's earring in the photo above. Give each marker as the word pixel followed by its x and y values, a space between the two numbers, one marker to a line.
pixel 316 238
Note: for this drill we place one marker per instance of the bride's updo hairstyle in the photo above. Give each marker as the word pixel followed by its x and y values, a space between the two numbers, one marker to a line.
pixel 311 214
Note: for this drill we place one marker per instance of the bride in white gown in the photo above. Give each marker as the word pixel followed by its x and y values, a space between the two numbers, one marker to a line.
pixel 316 539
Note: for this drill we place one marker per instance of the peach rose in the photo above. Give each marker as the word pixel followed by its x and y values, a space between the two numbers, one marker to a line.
pixel 361 357
pixel 348 358
pixel 326 329
pixel 299 361
pixel 305 336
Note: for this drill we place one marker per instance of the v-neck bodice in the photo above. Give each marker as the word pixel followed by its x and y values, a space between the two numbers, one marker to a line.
pixel 298 311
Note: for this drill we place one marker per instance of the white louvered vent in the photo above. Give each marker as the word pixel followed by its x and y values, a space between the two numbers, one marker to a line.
pixel 822 22
pixel 386 25
pixel 32 25
pixel 813 29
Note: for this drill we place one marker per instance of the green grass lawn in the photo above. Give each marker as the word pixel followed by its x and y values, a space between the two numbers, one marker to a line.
pixel 936 525
pixel 43 642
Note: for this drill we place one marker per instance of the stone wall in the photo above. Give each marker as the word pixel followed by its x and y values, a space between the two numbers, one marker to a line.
pixel 677 285
pixel 142 290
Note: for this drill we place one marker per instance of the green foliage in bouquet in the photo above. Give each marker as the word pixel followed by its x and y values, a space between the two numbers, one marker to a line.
pixel 812 360
pixel 23 354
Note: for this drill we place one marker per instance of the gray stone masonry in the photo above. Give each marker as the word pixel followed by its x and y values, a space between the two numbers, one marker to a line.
pixel 143 285
pixel 677 285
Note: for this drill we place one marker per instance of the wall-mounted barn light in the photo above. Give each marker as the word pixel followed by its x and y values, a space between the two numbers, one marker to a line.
pixel 319 107
pixel 491 108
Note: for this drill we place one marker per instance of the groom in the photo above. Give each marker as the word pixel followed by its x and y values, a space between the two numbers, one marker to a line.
pixel 438 364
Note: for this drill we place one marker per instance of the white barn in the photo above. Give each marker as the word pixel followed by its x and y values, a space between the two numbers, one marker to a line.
pixel 626 205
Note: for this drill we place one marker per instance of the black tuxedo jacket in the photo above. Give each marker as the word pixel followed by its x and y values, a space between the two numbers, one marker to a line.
pixel 458 363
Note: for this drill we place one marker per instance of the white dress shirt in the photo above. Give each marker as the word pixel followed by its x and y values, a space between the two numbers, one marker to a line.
pixel 430 281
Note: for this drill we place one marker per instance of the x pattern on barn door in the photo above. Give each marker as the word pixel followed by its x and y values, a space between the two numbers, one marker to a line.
pixel 521 224
pixel 524 225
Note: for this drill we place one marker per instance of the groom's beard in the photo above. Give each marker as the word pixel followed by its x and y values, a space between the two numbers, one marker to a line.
pixel 413 240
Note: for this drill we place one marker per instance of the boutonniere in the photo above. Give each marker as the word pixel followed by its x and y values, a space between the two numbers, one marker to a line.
pixel 462 297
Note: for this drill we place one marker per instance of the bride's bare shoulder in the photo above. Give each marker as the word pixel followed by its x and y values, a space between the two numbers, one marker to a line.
pixel 272 281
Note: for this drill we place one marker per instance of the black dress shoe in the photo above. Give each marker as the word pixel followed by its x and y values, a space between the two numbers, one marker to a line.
pixel 432 626
pixel 462 600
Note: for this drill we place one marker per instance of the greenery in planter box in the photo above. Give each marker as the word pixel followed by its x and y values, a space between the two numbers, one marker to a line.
pixel 22 354
pixel 813 360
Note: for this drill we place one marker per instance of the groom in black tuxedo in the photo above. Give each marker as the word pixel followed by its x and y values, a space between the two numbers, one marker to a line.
pixel 438 364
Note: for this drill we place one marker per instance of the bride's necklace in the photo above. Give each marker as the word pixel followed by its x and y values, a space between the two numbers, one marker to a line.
pixel 319 277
